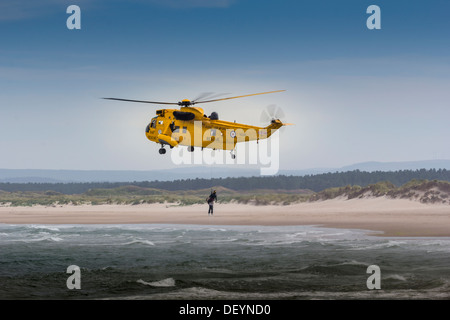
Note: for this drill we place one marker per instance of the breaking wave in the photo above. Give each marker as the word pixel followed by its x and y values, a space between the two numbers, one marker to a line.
pixel 169 282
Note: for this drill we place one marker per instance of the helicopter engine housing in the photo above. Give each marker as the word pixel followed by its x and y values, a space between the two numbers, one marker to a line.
pixel 214 116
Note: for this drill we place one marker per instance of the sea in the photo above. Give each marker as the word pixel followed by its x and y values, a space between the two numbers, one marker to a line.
pixel 194 262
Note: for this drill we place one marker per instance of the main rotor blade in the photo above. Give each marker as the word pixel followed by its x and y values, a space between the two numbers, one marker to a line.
pixel 247 95
pixel 141 101
pixel 203 95
pixel 208 95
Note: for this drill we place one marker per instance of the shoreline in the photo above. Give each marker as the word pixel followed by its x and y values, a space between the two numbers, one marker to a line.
pixel 392 217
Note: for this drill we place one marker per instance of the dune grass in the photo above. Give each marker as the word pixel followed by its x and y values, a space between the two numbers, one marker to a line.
pixel 420 190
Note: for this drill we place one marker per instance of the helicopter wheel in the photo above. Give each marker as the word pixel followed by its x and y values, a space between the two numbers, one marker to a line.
pixel 233 155
pixel 191 149
pixel 162 151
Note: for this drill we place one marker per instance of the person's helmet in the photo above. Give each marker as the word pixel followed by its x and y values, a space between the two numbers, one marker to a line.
pixel 214 191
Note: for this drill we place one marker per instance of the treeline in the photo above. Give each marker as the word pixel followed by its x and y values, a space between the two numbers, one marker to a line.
pixel 316 183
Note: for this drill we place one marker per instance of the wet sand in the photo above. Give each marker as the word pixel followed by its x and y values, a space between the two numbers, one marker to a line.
pixel 388 217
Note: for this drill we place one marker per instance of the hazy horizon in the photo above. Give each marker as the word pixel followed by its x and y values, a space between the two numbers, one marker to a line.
pixel 192 172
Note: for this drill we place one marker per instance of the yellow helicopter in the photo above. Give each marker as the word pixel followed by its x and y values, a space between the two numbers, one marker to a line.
pixel 190 126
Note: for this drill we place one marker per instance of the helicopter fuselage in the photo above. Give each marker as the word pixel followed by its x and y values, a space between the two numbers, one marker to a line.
pixel 189 126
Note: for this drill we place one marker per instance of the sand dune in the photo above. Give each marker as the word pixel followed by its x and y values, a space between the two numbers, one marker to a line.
pixel 393 217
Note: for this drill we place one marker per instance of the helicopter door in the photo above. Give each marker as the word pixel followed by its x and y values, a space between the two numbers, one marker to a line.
pixel 160 126
pixel 176 132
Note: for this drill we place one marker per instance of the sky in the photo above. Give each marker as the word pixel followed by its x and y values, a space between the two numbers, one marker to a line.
pixel 354 94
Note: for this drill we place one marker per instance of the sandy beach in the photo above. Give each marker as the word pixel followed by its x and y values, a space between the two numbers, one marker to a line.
pixel 388 217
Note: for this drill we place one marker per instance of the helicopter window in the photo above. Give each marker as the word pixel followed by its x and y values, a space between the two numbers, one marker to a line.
pixel 184 129
pixel 176 129
pixel 153 125
pixel 160 122
pixel 213 132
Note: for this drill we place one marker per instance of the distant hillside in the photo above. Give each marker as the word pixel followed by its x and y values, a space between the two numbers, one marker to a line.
pixel 93 176
pixel 424 191
pixel 396 166
pixel 194 172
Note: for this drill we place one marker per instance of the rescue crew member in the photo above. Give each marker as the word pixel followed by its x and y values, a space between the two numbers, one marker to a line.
pixel 212 197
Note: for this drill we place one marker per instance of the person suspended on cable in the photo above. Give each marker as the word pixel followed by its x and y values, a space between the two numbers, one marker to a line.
pixel 212 197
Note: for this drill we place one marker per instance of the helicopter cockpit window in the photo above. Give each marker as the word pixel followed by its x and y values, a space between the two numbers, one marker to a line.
pixel 153 125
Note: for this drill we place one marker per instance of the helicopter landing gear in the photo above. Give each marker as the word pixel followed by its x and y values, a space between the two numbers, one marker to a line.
pixel 191 149
pixel 162 150
pixel 233 154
